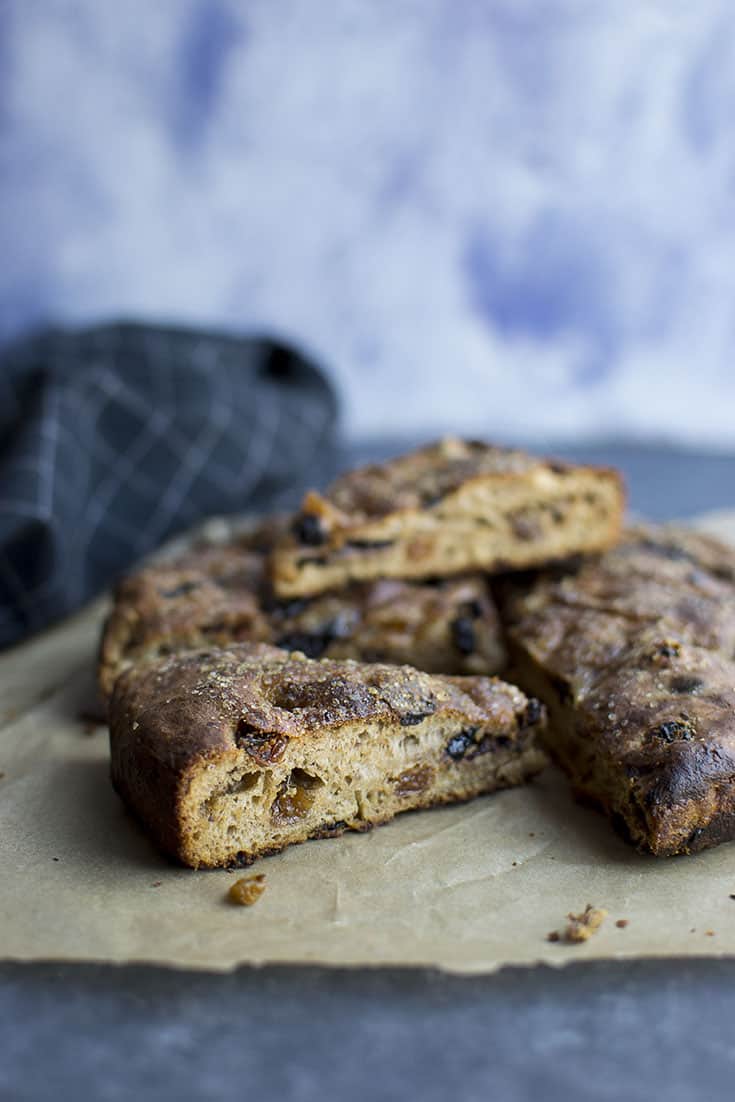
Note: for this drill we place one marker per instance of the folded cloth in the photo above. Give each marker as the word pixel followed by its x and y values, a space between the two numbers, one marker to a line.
pixel 115 437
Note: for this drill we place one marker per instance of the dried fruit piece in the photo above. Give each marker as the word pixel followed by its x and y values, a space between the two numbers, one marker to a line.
pixel 460 743
pixel 247 890
pixel 463 634
pixel 308 529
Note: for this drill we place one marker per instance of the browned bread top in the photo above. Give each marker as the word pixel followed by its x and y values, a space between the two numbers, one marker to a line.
pixel 578 618
pixel 212 587
pixel 256 697
pixel 421 479
pixel 633 651
pixel 666 709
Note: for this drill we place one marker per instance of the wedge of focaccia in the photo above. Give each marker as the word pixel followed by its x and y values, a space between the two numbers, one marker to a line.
pixel 221 594
pixel 228 754
pixel 450 507
pixel 633 654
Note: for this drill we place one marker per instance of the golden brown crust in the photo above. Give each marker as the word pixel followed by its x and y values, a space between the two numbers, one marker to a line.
pixel 307 739
pixel 421 478
pixel 633 653
pixel 221 594
pixel 449 507
pixel 227 697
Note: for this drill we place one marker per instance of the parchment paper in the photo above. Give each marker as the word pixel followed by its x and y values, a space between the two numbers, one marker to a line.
pixel 465 889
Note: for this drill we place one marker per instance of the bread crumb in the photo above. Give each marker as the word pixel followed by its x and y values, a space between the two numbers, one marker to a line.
pixel 580 927
pixel 621 923
pixel 709 933
pixel 247 890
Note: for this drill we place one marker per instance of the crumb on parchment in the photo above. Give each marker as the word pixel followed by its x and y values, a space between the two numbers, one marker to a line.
pixel 247 890
pixel 580 927
pixel 622 923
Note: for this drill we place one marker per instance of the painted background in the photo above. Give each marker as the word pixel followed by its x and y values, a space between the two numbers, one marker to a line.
pixel 513 217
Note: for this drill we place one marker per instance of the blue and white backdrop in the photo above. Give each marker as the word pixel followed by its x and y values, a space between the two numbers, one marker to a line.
pixel 514 217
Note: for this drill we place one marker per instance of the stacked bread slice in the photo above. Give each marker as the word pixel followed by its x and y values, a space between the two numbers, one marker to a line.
pixel 327 671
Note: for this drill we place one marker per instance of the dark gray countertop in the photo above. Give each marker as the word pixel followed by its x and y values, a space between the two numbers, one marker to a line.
pixel 635 1030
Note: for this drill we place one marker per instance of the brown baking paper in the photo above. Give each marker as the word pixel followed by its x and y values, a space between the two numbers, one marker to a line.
pixel 466 889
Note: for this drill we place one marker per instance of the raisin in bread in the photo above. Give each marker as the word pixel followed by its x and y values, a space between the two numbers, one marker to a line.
pixel 633 654
pixel 221 594
pixel 449 507
pixel 228 754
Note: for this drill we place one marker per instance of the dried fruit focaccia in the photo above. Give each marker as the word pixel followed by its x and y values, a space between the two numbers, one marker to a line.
pixel 220 594
pixel 229 754
pixel 633 652
pixel 449 507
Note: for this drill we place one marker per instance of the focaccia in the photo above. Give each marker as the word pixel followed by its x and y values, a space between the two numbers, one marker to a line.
pixel 449 507
pixel 633 653
pixel 228 754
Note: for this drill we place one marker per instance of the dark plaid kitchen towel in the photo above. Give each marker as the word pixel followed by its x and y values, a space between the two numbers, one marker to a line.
pixel 115 437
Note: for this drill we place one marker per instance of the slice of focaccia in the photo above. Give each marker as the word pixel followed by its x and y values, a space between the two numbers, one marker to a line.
pixel 446 508
pixel 221 594
pixel 633 654
pixel 228 754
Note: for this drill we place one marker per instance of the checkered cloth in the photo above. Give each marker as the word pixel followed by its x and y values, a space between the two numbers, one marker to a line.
pixel 113 438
